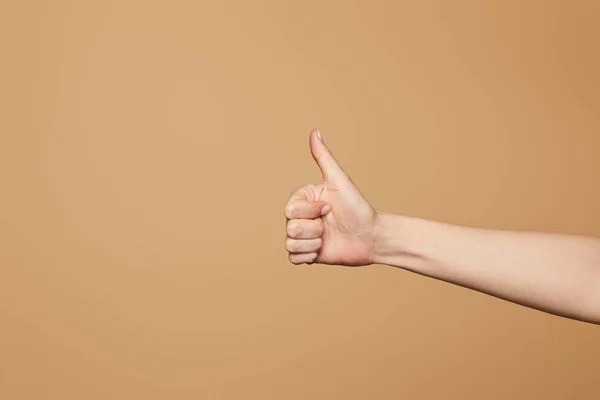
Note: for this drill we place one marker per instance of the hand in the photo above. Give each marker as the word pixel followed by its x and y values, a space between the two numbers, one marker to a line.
pixel 329 223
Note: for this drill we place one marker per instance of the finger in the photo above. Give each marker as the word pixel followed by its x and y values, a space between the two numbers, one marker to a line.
pixel 304 209
pixel 306 192
pixel 327 163
pixel 304 258
pixel 304 228
pixel 302 246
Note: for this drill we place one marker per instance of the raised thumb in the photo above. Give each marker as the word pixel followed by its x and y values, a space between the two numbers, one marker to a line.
pixel 330 169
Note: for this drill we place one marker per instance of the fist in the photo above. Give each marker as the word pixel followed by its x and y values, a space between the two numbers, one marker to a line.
pixel 330 222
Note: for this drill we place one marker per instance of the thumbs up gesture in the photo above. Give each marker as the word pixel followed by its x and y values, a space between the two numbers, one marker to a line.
pixel 331 222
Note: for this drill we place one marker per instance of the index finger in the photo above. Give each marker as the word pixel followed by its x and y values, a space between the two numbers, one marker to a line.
pixel 304 209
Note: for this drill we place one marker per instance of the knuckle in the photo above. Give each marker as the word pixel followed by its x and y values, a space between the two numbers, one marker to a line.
pixel 289 211
pixel 291 245
pixel 309 191
pixel 294 229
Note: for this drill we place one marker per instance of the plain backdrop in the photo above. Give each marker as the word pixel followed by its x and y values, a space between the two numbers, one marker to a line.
pixel 147 149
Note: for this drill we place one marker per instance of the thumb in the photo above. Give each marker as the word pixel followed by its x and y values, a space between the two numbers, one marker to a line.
pixel 330 169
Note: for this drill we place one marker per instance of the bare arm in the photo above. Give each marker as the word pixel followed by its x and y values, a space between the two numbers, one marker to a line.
pixel 332 223
pixel 558 274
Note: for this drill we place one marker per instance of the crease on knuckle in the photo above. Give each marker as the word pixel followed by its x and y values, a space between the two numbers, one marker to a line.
pixel 294 229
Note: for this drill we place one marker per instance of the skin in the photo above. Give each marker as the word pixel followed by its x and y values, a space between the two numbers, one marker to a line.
pixel 332 223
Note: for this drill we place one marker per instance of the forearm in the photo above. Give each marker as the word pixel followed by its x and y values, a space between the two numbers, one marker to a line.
pixel 559 274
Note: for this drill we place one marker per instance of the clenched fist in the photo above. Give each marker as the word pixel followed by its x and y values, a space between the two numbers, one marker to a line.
pixel 329 223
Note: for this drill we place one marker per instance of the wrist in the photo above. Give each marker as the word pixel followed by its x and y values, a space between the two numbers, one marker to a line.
pixel 387 244
pixel 397 241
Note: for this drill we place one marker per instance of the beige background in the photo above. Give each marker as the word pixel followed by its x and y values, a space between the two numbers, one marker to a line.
pixel 147 149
